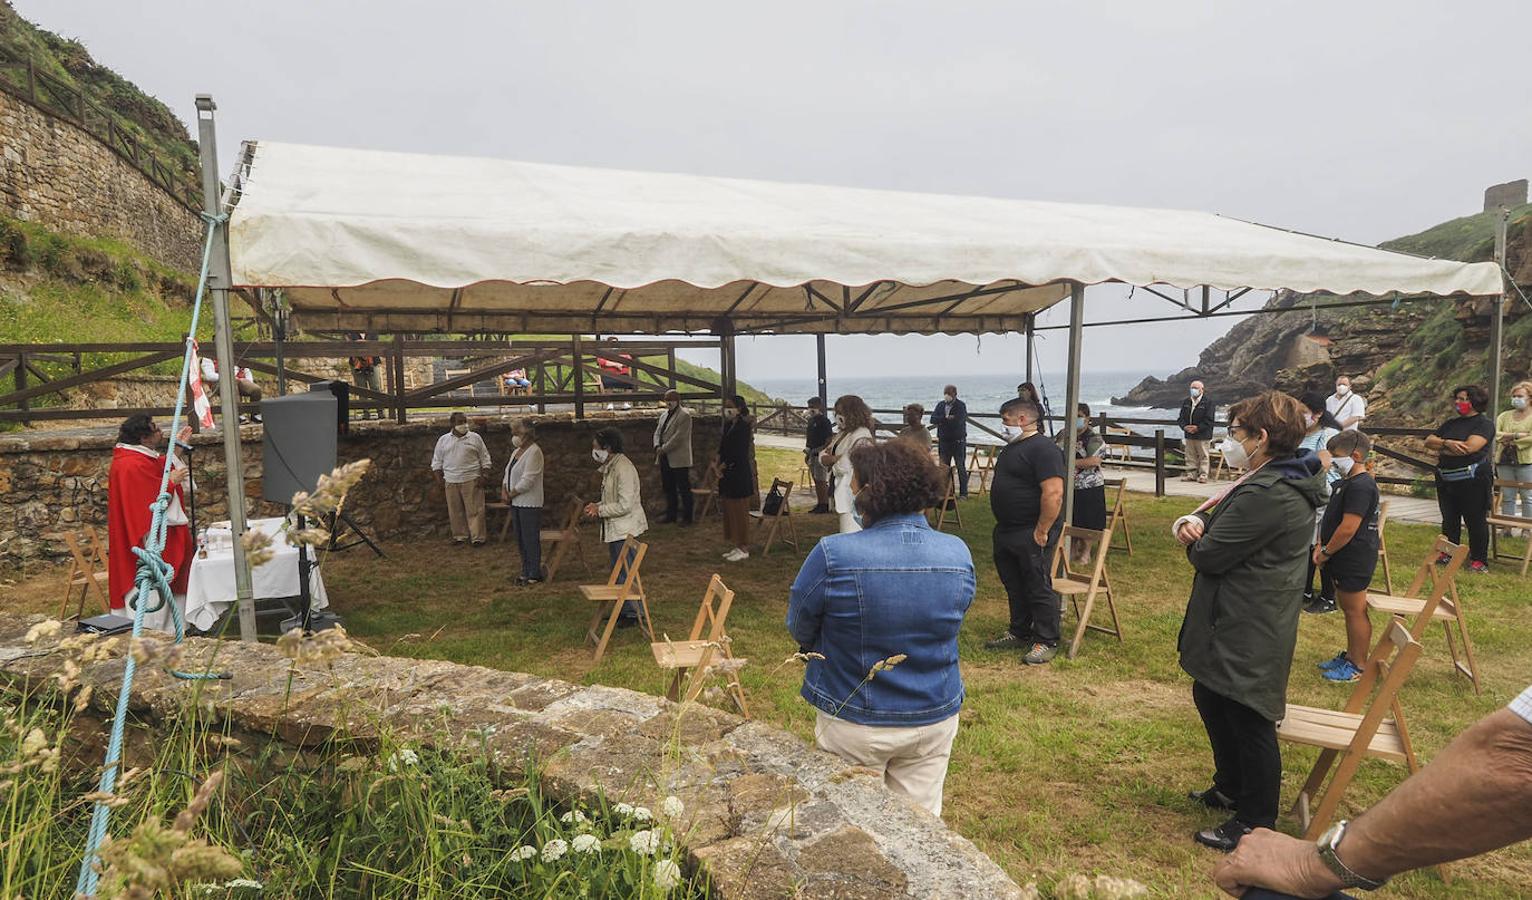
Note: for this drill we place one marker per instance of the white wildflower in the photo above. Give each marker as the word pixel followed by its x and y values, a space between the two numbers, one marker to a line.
pixel 574 816
pixel 672 807
pixel 644 842
pixel 45 629
pixel 555 849
pixel 642 813
pixel 244 883
pixel 34 743
pixel 623 809
pixel 667 875
pixel 523 852
pixel 405 758
pixel 585 843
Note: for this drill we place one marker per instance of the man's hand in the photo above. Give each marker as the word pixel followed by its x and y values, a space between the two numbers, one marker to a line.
pixel 827 459
pixel 178 474
pixel 1191 429
pixel 1318 555
pixel 1274 861
pixel 184 435
pixel 1040 536
pixel 1190 531
pixel 592 510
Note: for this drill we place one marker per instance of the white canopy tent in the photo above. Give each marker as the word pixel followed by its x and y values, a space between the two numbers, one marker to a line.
pixel 382 241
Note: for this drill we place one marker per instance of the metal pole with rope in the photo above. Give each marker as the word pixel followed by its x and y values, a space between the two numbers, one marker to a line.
pixel 218 284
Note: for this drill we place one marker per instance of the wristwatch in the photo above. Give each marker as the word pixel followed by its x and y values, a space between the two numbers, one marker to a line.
pixel 1327 845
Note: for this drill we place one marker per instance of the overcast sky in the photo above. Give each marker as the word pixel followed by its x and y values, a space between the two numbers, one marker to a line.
pixel 1363 120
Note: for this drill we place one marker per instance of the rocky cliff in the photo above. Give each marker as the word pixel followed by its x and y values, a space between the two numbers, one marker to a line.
pixel 1402 357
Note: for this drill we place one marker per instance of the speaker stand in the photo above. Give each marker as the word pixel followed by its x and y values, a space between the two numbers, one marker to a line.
pixel 339 522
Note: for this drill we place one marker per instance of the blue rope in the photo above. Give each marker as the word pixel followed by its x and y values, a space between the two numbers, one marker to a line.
pixel 153 573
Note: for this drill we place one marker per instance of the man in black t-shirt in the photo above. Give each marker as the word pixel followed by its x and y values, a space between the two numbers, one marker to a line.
pixel 1347 552
pixel 1026 495
pixel 815 439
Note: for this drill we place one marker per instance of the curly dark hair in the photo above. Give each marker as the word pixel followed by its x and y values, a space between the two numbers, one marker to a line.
pixel 858 414
pixel 897 478
pixel 609 439
pixel 1478 397
pixel 135 428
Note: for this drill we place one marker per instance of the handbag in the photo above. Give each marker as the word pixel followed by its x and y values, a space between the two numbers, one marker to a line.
pixel 772 504
pixel 1509 456
pixel 1466 473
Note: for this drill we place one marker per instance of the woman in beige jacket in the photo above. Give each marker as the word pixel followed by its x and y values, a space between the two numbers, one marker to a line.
pixel 621 509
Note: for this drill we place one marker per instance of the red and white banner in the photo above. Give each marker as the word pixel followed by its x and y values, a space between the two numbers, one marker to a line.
pixel 201 408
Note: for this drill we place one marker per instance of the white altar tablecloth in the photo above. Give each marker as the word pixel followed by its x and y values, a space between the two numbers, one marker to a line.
pixel 210 584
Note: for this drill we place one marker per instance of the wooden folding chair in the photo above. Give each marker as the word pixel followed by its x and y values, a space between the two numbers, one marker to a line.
pixel 564 538
pixel 623 585
pixel 87 570
pixel 707 492
pixel 1499 522
pixel 981 462
pixel 1439 604
pixel 1073 584
pixel 492 506
pixel 781 520
pixel 1361 729
pixel 1388 575
pixel 948 503
pixel 1117 514
pixel 690 659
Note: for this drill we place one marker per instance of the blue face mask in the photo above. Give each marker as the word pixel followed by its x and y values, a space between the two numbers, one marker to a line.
pixel 1080 424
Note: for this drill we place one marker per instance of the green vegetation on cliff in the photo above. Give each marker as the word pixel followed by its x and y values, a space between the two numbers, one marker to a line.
pixel 67 61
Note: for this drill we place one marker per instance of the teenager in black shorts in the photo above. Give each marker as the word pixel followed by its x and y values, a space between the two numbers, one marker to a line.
pixel 1347 552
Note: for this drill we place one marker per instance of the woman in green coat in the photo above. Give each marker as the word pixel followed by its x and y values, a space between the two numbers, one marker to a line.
pixel 1249 547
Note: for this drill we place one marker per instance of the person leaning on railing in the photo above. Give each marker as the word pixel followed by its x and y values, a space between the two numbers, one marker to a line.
pixel 1513 430
pixel 1464 482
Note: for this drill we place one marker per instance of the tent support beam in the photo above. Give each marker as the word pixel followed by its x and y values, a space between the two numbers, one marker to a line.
pixel 1345 304
pixel 1072 397
pixel 1030 330
pixel 1497 320
pixel 218 280
pixel 819 347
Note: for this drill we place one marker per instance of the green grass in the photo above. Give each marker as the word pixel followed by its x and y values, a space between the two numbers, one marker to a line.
pixel 1080 766
pixel 1468 238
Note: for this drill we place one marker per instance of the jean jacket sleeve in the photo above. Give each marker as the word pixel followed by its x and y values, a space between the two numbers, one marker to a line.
pixel 806 602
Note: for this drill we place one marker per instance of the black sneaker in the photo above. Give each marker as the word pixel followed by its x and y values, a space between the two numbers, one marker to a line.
pixel 1321 605
pixel 1213 798
pixel 1006 641
pixel 1225 837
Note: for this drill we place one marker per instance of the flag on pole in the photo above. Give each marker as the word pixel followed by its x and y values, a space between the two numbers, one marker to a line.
pixel 201 408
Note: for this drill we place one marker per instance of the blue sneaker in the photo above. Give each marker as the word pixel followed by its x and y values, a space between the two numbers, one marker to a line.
pixel 1334 661
pixel 1345 673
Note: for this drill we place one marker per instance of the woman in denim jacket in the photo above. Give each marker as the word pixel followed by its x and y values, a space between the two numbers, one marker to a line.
pixel 877 611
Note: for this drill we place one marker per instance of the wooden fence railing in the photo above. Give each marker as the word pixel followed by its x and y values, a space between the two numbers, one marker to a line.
pixel 561 373
pixel 20 77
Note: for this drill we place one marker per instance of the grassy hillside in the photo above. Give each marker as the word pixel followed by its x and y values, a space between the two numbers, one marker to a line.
pixel 1467 239
pixel 67 60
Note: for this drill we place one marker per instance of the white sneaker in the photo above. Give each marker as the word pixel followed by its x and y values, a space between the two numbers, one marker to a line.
pixel 737 555
pixel 729 552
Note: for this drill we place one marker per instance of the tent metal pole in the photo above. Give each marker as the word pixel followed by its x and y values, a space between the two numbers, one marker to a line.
pixel 1497 321
pixel 824 390
pixel 1027 336
pixel 218 280
pixel 1072 395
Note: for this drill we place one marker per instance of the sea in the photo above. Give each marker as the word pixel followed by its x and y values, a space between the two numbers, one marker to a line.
pixel 983 393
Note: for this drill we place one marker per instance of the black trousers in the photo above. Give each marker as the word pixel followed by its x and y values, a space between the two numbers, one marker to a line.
pixel 1024 570
pixel 1247 765
pixel 529 522
pixel 955 453
pixel 1466 503
pixel 677 485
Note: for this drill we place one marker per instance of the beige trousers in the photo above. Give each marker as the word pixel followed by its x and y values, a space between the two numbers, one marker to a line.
pixel 1196 458
pixel 913 760
pixel 465 508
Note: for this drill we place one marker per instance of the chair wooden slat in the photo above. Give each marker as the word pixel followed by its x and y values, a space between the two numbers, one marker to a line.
pixel 563 539
pixel 1439 603
pixel 87 570
pixel 1096 583
pixel 690 659
pixel 624 584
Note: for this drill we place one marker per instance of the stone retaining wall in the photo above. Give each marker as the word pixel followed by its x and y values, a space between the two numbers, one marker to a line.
pixel 766 815
pixel 61 177
pixel 50 482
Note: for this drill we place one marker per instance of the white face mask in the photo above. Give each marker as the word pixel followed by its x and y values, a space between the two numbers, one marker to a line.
pixel 840 421
pixel 1309 419
pixel 1010 432
pixel 1196 392
pixel 1234 453
pixel 1342 390
pixel 599 455
pixel 515 440
pixel 1519 402
pixel 1343 465
pixel 950 397
pixel 460 430
pixel 673 404
pixel 730 412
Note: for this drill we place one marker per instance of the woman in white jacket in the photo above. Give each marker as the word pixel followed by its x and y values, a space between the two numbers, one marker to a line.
pixel 854 425
pixel 621 509
pixel 522 487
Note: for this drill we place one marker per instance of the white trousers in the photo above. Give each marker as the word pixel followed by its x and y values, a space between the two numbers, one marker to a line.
pixel 913 760
pixel 848 523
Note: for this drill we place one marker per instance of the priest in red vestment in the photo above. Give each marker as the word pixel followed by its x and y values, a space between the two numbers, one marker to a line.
pixel 132 486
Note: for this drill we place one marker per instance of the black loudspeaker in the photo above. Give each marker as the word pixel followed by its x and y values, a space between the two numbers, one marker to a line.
pixel 342 394
pixel 299 444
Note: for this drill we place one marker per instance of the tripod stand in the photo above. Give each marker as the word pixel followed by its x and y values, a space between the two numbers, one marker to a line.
pixel 337 523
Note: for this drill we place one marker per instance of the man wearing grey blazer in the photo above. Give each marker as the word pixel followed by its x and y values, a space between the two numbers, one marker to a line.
pixel 673 452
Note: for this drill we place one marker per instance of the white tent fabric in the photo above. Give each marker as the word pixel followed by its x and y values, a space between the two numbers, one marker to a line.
pixel 466 242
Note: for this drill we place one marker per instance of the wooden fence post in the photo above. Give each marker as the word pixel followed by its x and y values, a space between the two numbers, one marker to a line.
pixel 1159 462
pixel 21 385
pixel 542 388
pixel 400 413
pixel 579 380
